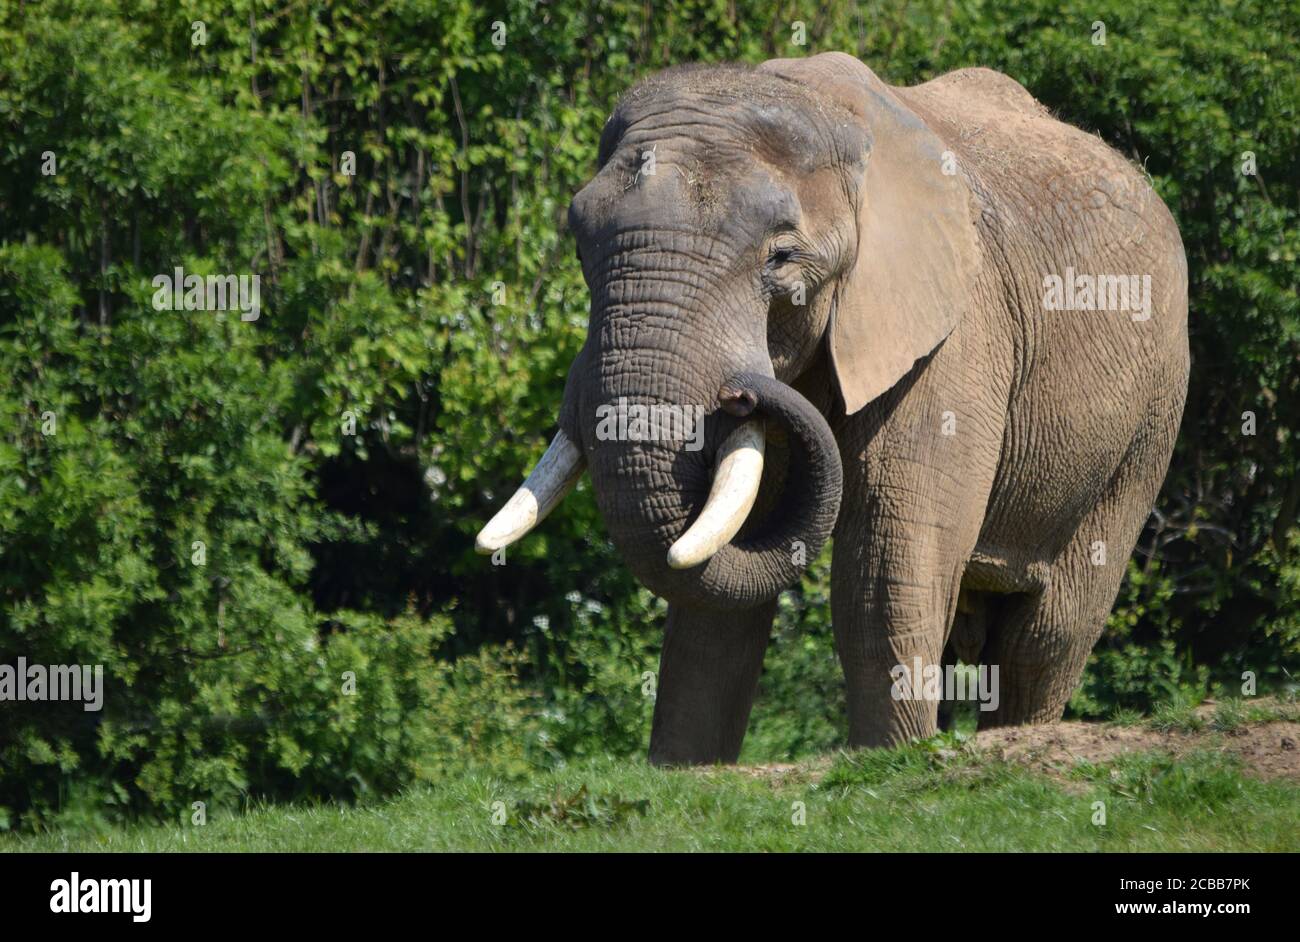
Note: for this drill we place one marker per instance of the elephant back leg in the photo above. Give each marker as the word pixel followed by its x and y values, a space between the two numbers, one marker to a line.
pixel 1041 640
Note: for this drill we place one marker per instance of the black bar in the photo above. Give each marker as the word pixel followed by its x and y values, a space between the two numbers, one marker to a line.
pixel 333 891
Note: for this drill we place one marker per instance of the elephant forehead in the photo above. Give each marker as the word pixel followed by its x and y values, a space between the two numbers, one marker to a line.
pixel 738 113
pixel 726 132
pixel 712 90
pixel 710 187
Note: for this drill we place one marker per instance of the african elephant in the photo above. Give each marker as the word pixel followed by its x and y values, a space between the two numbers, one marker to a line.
pixel 933 320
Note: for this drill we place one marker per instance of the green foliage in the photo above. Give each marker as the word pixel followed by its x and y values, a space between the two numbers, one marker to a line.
pixel 1124 674
pixel 599 676
pixel 800 709
pixel 220 680
pixel 399 183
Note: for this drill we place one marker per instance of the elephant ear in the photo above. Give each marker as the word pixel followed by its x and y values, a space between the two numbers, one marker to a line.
pixel 918 253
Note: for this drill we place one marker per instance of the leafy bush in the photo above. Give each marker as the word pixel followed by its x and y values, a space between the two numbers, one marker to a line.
pixel 800 709
pixel 1125 675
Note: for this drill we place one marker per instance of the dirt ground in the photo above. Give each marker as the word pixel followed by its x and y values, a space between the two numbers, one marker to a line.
pixel 1267 750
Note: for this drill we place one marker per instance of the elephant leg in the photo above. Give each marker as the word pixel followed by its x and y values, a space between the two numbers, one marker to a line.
pixel 708 673
pixel 1043 639
pixel 892 603
pixel 919 466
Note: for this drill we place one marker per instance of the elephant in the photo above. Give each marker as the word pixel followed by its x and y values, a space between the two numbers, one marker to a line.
pixel 933 324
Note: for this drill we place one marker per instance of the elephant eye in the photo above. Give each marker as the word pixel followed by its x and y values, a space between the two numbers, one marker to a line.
pixel 780 256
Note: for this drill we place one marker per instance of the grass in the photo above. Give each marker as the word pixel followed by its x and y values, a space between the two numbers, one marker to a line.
pixel 1184 714
pixel 938 795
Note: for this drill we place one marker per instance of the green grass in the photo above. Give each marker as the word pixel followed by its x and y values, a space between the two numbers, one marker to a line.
pixel 933 796
pixel 1233 713
pixel 1183 714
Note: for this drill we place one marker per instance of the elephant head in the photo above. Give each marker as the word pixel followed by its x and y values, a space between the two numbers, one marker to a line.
pixel 744 222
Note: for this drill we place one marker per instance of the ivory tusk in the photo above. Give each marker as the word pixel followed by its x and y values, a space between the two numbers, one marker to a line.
pixel 552 479
pixel 735 487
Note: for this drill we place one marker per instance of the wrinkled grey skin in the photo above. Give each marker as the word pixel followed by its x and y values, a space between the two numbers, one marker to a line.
pixel 988 446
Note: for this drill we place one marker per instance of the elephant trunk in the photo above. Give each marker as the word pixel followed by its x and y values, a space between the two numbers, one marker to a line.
pixel 659 499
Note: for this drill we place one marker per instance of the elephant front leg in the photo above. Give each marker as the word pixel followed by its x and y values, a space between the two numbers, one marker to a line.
pixel 708 673
pixel 890 622
pixel 900 552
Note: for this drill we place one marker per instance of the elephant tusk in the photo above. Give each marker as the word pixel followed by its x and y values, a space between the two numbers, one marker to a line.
pixel 735 487
pixel 552 479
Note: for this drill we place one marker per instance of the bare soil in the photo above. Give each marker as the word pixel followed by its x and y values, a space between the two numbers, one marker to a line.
pixel 1267 750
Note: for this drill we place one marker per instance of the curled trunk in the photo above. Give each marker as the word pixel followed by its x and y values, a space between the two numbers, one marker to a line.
pixel 649 493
